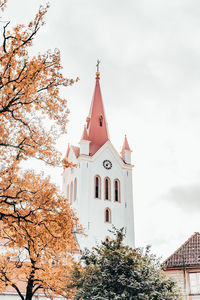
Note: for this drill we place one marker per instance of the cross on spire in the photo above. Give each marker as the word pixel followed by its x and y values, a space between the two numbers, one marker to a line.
pixel 97 65
pixel 97 72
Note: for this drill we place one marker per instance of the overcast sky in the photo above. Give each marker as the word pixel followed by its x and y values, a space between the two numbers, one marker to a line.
pixel 150 75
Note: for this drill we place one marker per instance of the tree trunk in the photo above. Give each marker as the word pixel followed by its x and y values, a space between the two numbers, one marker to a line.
pixel 29 290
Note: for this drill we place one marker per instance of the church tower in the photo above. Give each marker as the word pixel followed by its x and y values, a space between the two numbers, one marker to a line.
pixel 100 186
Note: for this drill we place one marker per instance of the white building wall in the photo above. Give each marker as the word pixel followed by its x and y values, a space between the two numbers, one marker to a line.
pixel 182 278
pixel 91 210
pixel 128 204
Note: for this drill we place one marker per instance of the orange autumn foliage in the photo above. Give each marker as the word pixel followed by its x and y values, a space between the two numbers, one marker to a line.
pixel 67 163
pixel 37 224
pixel 38 239
pixel 29 88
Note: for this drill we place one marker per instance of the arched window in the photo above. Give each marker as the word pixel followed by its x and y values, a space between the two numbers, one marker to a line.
pixel 68 191
pixel 107 216
pixel 117 190
pixel 71 192
pixel 107 188
pixel 107 239
pixel 75 188
pixel 97 187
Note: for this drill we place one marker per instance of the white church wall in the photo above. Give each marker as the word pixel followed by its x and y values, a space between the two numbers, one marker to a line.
pixel 91 211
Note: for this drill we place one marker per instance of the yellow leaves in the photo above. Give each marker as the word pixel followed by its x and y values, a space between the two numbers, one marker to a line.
pixel 39 235
pixel 37 224
pixel 68 164
pixel 30 90
pixel 38 212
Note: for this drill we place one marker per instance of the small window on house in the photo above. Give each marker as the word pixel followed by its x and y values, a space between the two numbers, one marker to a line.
pixel 107 215
pixel 97 187
pixel 194 283
pixel 107 188
pixel 75 188
pixel 71 192
pixel 101 121
pixel 117 190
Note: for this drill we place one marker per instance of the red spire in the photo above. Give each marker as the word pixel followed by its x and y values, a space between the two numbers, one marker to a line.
pixel 85 135
pixel 96 121
pixel 125 145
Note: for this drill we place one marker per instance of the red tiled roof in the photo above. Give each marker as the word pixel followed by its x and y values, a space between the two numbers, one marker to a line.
pixel 187 255
pixel 76 150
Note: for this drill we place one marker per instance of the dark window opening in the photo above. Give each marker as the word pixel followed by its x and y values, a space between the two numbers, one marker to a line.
pixel 107 217
pixel 116 191
pixel 97 188
pixel 106 190
pixel 101 121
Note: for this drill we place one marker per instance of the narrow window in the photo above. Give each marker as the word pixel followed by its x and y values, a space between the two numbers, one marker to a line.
pixel 117 190
pixel 101 121
pixel 107 188
pixel 71 192
pixel 107 215
pixel 75 188
pixel 97 187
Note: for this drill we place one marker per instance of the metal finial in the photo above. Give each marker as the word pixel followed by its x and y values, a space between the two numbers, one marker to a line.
pixel 97 65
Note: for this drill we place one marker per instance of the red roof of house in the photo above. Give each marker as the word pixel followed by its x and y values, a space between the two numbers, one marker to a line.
pixel 188 255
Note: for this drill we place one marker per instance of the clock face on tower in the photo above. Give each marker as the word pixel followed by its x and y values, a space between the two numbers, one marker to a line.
pixel 107 164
